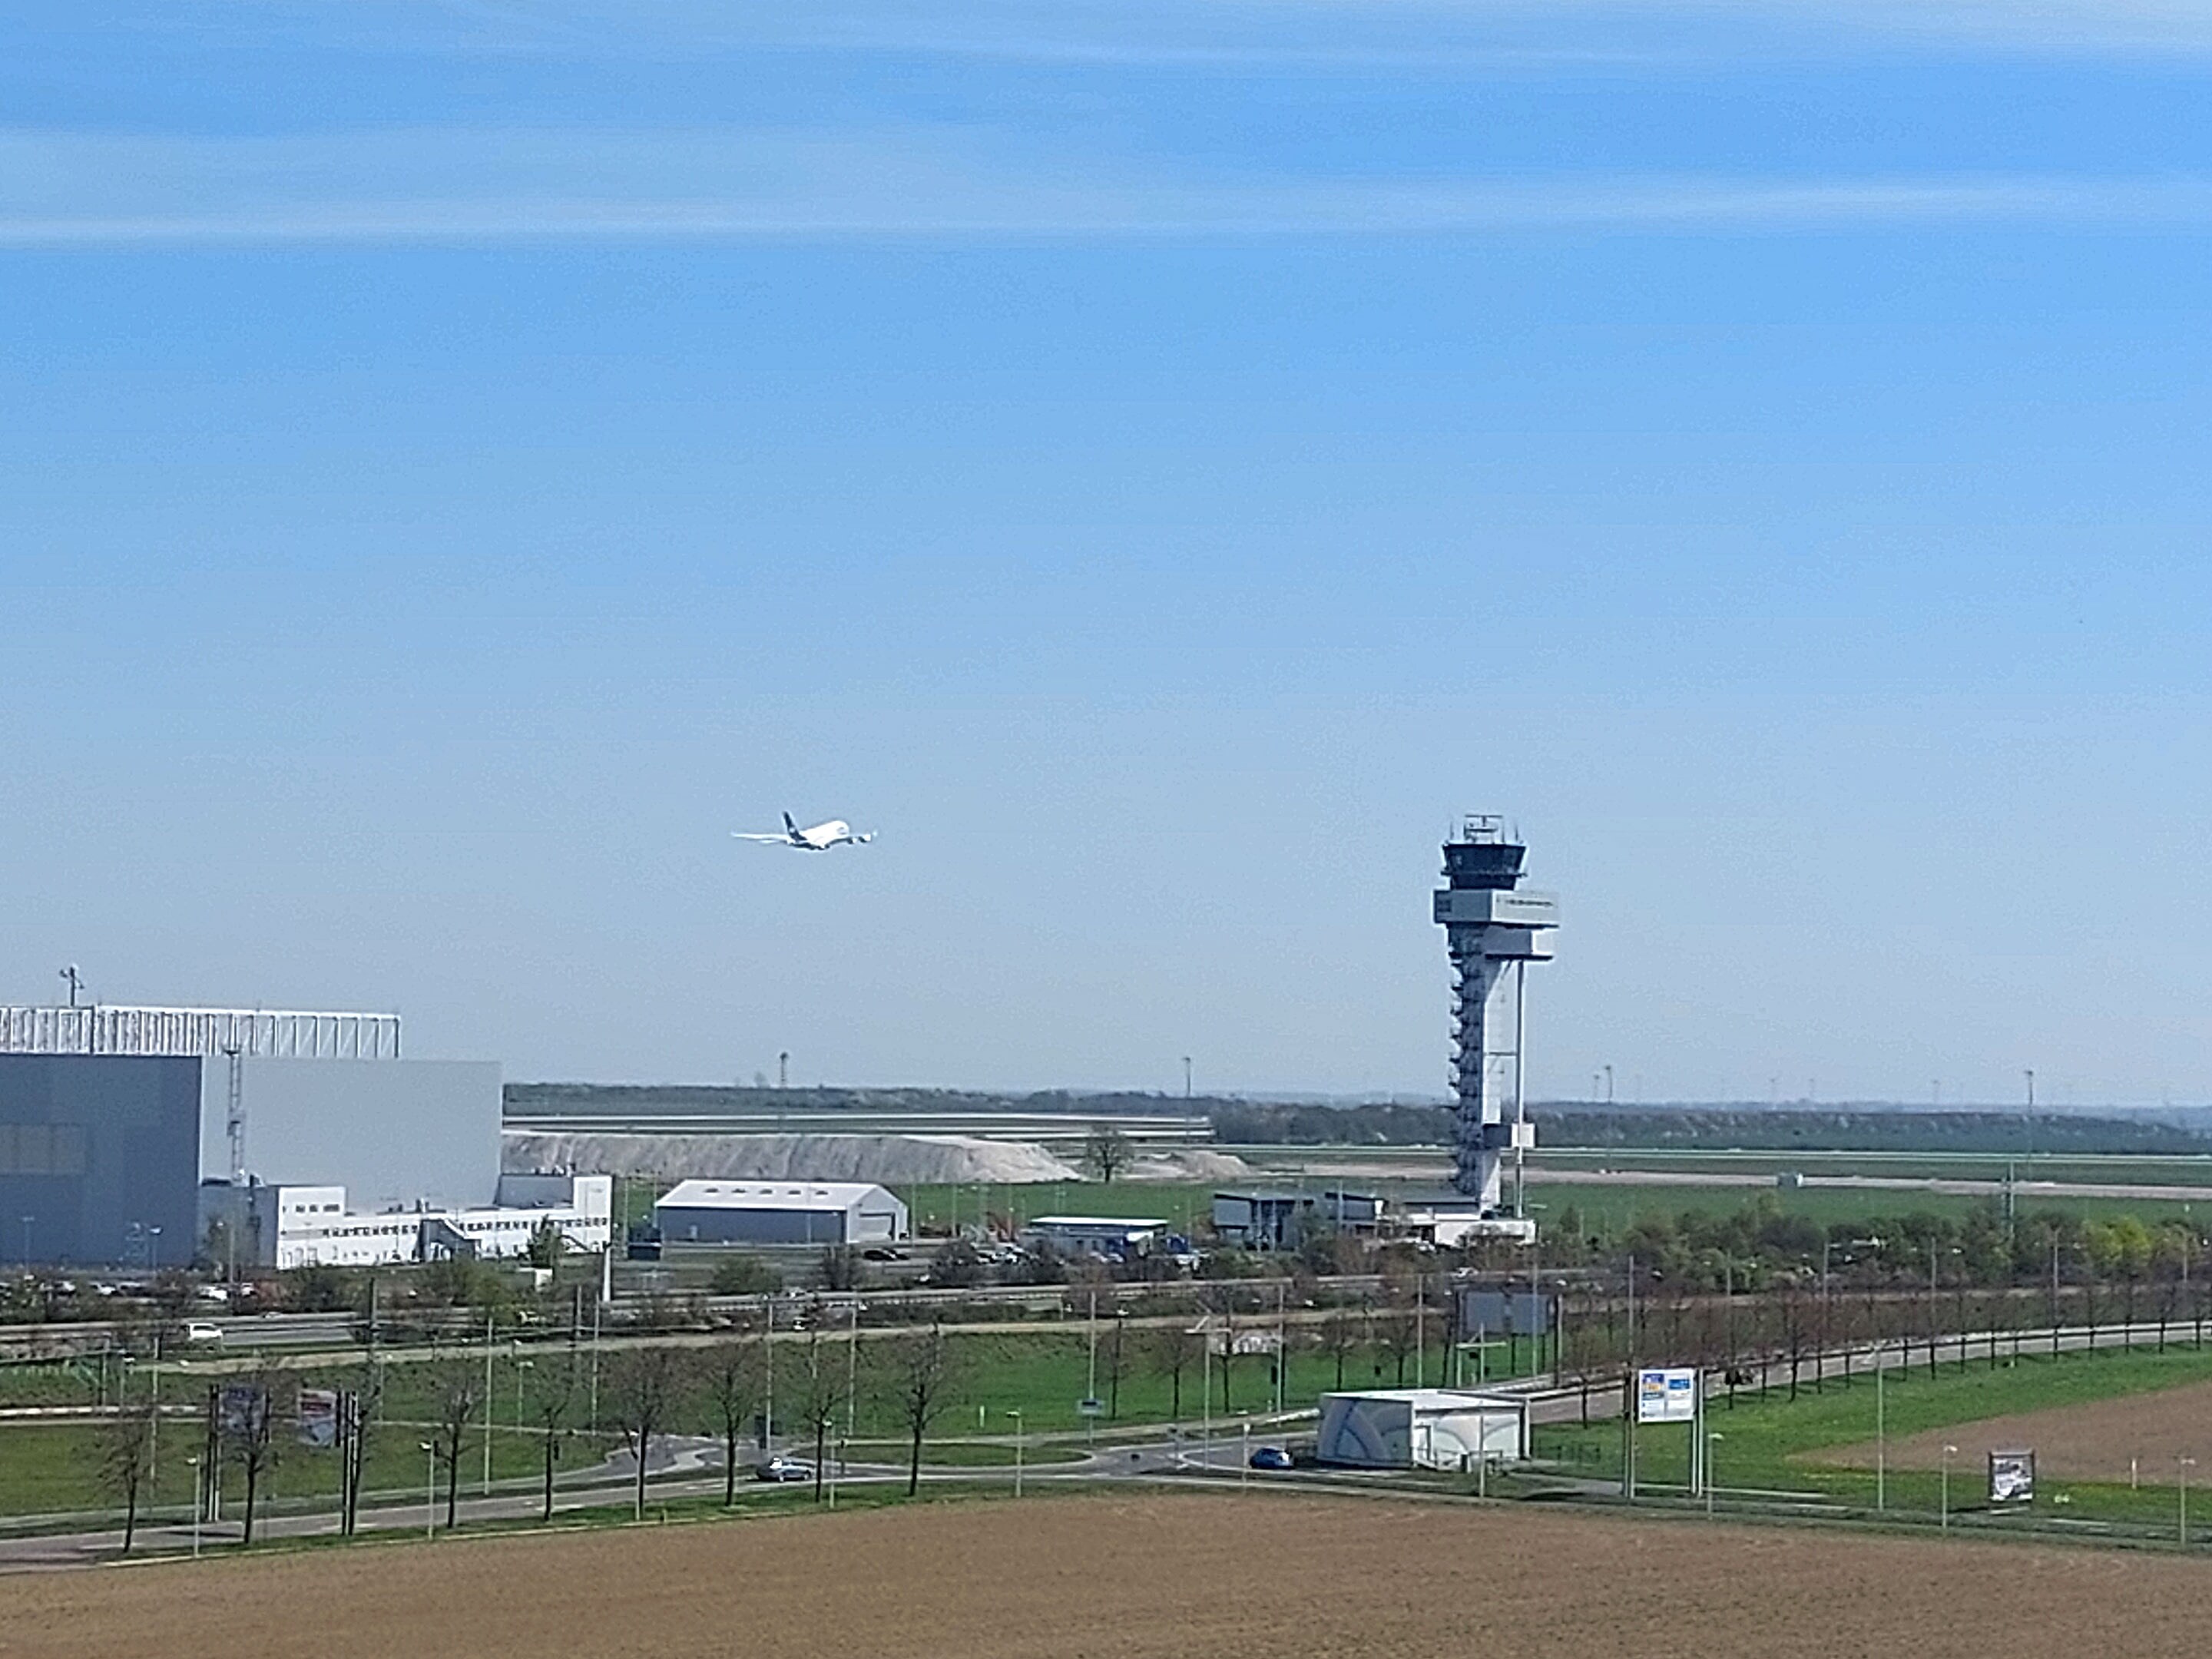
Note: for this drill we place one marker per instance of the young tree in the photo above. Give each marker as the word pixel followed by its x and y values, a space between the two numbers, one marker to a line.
pixel 127 1460
pixel 318 1290
pixel 647 1382
pixel 1107 1153
pixel 547 1243
pixel 1339 1335
pixel 917 1376
pixel 247 1411
pixel 840 1267
pixel 957 1265
pixel 740 1274
pixel 1397 1331
pixel 456 1396
pixel 1113 1365
pixel 733 1388
pixel 1173 1350
pixel 817 1386
pixel 552 1397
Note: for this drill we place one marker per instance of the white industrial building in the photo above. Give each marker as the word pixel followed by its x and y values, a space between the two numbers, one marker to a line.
pixel 779 1212
pixel 285 1226
pixel 1112 1239
pixel 1421 1428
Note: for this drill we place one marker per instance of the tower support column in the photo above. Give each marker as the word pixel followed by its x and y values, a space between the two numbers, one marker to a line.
pixel 1492 928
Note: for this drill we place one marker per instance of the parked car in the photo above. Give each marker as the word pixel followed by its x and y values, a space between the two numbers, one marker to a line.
pixel 200 1331
pixel 782 1469
pixel 1270 1457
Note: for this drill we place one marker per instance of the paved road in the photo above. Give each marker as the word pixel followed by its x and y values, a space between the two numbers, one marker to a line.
pixel 690 1467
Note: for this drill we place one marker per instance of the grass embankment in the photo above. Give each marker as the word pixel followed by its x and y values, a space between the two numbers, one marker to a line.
pixel 1770 1443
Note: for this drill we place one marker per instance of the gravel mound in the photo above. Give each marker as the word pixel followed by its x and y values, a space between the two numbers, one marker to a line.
pixel 903 1160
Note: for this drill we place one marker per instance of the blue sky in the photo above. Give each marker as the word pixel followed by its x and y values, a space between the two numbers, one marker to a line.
pixel 1155 464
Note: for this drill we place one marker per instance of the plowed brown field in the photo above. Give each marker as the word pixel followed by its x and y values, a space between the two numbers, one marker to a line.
pixel 1109 1577
pixel 2091 1442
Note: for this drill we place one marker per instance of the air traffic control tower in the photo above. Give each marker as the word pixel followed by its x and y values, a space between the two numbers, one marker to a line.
pixel 1494 928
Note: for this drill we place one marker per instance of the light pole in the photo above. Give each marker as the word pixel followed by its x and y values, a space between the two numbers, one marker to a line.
pixel 27 1220
pixel 195 1463
pixel 1949 1452
pixel 1881 1429
pixel 154 1248
pixel 1712 1438
pixel 2182 1465
pixel 1017 1416
pixel 1186 1077
pixel 76 982
pixel 1090 1380
pixel 429 1489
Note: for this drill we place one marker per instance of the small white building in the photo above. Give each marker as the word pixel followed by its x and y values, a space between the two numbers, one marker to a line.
pixel 786 1212
pixel 1447 1225
pixel 1421 1428
pixel 298 1227
pixel 1112 1239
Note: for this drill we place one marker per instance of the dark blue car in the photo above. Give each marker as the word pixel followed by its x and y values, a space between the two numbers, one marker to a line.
pixel 1270 1457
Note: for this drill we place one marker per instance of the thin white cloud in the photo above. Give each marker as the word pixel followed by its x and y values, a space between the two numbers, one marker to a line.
pixel 491 186
pixel 1359 33
pixel 1410 36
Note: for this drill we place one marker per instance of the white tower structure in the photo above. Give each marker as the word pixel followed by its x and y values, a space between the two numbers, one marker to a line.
pixel 1494 929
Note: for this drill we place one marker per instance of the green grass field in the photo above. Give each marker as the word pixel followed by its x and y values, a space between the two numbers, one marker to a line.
pixel 48 1467
pixel 1765 1440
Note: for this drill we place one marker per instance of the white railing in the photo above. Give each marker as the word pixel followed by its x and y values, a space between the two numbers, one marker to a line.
pixel 260 1033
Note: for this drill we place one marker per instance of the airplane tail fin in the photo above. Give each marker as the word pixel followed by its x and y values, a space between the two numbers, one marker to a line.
pixel 789 827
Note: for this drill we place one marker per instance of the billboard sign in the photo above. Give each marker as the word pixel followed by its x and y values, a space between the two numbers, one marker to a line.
pixel 1506 1313
pixel 319 1418
pixel 241 1410
pixel 2012 1477
pixel 1668 1394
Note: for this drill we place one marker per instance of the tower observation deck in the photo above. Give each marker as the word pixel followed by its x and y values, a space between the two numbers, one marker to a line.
pixel 1494 928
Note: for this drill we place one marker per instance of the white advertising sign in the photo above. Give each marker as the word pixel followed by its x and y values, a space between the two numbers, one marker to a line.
pixel 1668 1395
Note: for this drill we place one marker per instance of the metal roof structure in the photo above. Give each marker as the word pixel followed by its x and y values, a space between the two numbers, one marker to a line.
pixel 703 1194
pixel 256 1033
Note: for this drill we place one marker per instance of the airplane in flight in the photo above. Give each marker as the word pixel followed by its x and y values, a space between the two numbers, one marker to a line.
pixel 819 839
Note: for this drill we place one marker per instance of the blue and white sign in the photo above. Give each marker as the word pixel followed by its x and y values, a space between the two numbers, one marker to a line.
pixel 1667 1395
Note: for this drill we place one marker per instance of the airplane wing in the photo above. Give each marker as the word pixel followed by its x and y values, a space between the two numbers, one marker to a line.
pixel 780 840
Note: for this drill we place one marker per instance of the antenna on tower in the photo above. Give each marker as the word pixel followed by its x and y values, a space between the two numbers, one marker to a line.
pixel 234 1116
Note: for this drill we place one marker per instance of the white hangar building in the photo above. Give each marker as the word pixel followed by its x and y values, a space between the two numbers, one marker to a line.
pixel 779 1212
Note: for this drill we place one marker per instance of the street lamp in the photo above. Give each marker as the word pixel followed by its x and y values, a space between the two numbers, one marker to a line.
pixel 1882 1428
pixel 429 1489
pixel 1017 1416
pixel 1949 1452
pixel 195 1463
pixel 1712 1438
pixel 2182 1465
